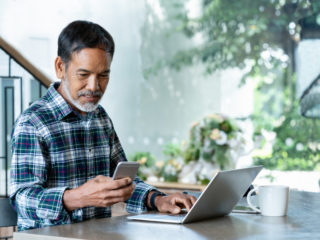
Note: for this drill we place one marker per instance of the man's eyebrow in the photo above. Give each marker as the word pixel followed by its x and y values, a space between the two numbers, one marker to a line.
pixel 83 70
pixel 87 71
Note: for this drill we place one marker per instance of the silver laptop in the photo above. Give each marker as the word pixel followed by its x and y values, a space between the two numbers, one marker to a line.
pixel 220 196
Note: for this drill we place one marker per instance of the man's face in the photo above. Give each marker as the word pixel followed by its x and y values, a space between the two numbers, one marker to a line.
pixel 85 79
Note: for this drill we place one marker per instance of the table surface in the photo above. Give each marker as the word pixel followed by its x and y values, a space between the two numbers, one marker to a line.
pixel 302 222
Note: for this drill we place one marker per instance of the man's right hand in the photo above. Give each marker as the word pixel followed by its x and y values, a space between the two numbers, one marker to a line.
pixel 100 191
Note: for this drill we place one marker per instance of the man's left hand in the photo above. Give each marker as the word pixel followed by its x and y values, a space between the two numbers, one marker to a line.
pixel 174 203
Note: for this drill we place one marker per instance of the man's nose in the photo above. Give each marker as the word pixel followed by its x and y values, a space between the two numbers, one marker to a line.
pixel 93 84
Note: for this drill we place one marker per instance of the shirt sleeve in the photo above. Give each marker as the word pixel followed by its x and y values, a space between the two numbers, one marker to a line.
pixel 137 202
pixel 29 193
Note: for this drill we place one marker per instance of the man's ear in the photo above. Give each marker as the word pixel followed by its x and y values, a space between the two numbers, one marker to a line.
pixel 60 68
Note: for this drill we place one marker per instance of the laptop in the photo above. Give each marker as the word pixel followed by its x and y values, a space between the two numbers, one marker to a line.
pixel 220 196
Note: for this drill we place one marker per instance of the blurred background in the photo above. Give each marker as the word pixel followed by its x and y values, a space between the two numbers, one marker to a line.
pixel 196 85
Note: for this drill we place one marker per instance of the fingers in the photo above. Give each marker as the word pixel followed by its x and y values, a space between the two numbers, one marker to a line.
pixel 175 202
pixel 182 201
pixel 192 199
pixel 110 201
pixel 171 208
pixel 108 183
pixel 120 183
pixel 108 198
pixel 125 191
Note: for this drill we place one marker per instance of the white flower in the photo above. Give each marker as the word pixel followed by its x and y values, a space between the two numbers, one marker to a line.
pixel 188 173
pixel 152 179
pixel 215 134
pixel 222 138
pixel 312 146
pixel 159 164
pixel 268 135
pixel 299 147
pixel 289 142
pixel 208 169
pixel 233 142
pixel 279 121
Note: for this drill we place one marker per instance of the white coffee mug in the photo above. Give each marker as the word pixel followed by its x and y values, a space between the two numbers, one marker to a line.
pixel 272 200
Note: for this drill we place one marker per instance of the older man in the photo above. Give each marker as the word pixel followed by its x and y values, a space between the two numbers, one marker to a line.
pixel 65 147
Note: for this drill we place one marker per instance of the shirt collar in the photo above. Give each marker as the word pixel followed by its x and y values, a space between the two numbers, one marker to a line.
pixel 61 107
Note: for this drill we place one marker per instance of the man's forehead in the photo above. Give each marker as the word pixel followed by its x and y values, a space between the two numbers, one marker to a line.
pixel 88 58
pixel 86 51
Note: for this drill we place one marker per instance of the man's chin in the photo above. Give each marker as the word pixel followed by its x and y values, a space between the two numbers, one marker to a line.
pixel 85 107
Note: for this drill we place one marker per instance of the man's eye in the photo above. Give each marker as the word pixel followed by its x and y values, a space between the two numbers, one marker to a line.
pixel 104 75
pixel 83 74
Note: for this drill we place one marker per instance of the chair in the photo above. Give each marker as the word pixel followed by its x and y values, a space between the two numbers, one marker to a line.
pixel 8 217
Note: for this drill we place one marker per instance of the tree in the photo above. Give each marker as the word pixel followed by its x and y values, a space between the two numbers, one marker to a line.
pixel 259 37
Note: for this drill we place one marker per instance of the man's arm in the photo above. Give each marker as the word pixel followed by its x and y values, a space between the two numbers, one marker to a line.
pixel 99 192
pixel 28 192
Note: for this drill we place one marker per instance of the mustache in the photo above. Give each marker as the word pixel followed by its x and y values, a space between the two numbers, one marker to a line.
pixel 90 93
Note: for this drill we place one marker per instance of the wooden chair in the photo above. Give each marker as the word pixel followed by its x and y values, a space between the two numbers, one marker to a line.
pixel 8 217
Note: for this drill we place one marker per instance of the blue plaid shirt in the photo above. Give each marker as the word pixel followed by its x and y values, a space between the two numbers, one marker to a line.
pixel 54 149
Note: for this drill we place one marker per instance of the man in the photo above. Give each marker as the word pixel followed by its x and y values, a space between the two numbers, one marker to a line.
pixel 65 148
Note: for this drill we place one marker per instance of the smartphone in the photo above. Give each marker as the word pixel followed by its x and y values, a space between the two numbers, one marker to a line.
pixel 126 169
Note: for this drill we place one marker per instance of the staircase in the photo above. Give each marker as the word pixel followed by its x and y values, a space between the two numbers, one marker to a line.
pixel 21 83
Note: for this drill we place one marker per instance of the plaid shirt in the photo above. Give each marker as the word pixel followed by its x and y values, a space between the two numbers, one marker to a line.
pixel 54 149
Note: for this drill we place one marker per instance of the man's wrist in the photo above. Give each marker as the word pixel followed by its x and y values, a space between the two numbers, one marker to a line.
pixel 71 200
pixel 153 198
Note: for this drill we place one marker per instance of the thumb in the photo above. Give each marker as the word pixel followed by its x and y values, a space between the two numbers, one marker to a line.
pixel 174 209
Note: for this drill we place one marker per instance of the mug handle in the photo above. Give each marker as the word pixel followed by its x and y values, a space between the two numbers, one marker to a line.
pixel 249 200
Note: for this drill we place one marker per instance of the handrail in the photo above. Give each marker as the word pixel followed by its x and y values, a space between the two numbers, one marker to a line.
pixel 25 63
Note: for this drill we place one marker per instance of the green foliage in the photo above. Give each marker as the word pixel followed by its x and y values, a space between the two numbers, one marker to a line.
pixel 237 33
pixel 172 150
pixel 173 162
pixel 258 36
pixel 297 145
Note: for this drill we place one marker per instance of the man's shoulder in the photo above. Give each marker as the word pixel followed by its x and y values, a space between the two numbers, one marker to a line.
pixel 102 112
pixel 104 115
pixel 37 114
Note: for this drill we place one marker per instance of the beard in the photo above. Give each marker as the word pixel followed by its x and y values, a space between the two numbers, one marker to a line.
pixel 86 107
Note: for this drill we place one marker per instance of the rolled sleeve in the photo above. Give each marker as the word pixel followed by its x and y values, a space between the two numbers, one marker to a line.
pixel 38 203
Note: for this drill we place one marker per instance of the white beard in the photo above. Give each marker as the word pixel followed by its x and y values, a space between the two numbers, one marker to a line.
pixel 87 107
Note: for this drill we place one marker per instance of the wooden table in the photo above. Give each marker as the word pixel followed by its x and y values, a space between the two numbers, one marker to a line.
pixel 302 222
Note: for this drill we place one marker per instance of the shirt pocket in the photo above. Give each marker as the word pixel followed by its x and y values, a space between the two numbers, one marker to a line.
pixel 68 169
